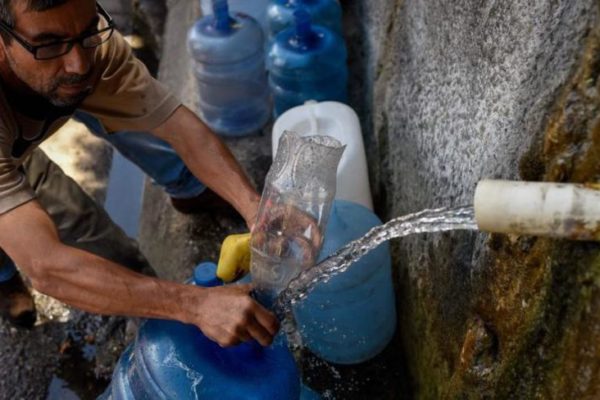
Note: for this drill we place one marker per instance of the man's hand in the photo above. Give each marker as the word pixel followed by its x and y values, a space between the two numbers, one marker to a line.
pixel 229 316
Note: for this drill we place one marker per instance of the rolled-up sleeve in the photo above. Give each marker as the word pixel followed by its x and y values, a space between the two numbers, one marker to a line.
pixel 14 188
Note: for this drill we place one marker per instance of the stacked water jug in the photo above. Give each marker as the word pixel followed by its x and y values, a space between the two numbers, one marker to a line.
pixel 228 54
pixel 306 62
pixel 299 41
pixel 326 13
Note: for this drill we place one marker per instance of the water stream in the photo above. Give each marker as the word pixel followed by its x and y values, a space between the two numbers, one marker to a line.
pixel 426 221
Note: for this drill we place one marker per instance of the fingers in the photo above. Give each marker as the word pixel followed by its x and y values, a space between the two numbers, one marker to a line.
pixel 234 317
pixel 258 324
pixel 222 337
pixel 240 335
pixel 259 333
pixel 250 328
pixel 267 320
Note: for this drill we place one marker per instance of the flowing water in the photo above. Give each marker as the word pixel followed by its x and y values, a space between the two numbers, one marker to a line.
pixel 426 221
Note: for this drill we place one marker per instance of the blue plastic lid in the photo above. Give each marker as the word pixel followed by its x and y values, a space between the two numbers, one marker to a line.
pixel 306 48
pixel 224 37
pixel 205 274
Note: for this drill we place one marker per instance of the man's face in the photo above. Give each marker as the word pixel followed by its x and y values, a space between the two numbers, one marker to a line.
pixel 64 81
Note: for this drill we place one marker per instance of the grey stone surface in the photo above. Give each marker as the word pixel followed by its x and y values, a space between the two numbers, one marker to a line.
pixel 450 92
pixel 462 90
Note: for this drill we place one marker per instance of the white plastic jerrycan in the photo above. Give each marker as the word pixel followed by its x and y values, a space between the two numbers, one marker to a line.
pixel 341 122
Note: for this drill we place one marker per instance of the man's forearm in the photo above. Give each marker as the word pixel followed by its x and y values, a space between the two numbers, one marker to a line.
pixel 210 160
pixel 94 284
pixel 225 314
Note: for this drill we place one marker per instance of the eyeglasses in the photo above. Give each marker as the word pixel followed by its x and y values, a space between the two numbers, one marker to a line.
pixel 62 47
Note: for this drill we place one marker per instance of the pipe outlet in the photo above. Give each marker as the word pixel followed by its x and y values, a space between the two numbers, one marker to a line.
pixel 559 210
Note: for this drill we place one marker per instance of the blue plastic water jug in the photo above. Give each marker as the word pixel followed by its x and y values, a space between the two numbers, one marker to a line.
pixel 352 317
pixel 228 52
pixel 171 360
pixel 280 14
pixel 307 62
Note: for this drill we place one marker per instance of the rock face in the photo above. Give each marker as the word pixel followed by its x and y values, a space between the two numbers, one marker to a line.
pixel 453 91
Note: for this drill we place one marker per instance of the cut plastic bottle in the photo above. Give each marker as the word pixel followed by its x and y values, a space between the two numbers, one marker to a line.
pixel 341 122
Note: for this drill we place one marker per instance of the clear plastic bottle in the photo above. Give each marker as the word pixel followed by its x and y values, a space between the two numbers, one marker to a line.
pixel 341 122
pixel 229 65
pixel 293 211
pixel 307 62
pixel 280 14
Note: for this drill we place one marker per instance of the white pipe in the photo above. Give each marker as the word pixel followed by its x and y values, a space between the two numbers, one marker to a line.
pixel 539 209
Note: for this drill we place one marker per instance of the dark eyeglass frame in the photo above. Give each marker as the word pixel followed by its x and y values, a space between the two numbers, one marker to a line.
pixel 33 49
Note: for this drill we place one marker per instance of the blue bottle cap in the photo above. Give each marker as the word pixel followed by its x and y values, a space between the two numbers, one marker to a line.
pixel 205 274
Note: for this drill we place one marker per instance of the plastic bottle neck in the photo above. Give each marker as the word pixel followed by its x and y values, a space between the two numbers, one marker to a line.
pixel 221 15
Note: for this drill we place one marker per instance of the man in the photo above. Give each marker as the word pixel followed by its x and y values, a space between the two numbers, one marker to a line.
pixel 59 56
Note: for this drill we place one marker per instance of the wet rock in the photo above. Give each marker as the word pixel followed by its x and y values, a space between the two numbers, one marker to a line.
pixel 479 352
pixel 452 92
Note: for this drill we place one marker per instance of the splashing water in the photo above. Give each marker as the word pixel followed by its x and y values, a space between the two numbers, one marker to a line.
pixel 426 221
pixel 172 361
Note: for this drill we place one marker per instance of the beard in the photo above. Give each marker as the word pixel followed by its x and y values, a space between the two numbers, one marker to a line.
pixel 52 95
pixel 50 92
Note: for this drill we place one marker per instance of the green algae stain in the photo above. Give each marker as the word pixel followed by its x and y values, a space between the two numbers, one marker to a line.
pixel 543 298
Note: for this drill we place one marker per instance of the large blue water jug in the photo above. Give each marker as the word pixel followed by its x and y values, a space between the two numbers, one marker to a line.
pixel 171 360
pixel 352 317
pixel 280 14
pixel 228 53
pixel 307 62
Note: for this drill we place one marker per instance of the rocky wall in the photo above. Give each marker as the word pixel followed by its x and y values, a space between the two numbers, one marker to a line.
pixel 453 91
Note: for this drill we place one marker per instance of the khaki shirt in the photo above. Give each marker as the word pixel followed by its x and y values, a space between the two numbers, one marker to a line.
pixel 125 97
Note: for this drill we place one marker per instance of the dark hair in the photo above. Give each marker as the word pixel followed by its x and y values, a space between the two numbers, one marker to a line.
pixel 7 15
pixel 6 10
